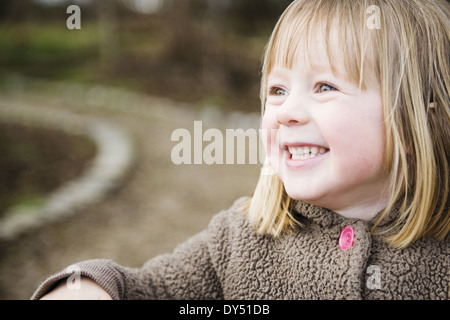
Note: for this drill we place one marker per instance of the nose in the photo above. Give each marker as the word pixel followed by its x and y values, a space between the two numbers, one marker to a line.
pixel 293 112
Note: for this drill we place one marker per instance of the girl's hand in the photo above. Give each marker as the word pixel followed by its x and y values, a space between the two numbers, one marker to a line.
pixel 88 290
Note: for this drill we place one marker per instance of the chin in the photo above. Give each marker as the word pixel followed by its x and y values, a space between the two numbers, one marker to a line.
pixel 302 195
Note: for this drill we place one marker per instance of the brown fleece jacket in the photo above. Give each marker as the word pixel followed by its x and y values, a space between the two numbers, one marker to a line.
pixel 229 261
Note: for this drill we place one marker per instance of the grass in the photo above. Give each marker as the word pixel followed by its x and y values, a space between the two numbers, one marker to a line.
pixel 46 50
pixel 141 58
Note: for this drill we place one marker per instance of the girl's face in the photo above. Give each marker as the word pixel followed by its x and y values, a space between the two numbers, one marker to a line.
pixel 325 137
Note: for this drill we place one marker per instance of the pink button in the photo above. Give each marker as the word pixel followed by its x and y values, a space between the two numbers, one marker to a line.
pixel 347 238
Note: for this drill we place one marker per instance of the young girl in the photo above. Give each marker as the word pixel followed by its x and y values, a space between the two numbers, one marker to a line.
pixel 355 99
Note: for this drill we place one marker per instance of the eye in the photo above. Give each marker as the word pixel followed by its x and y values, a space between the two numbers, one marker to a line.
pixel 324 87
pixel 277 91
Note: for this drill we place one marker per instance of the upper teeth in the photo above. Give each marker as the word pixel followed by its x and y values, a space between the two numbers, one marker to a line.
pixel 306 152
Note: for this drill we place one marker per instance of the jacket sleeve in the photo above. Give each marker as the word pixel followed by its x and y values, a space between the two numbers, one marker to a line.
pixel 186 273
pixel 192 271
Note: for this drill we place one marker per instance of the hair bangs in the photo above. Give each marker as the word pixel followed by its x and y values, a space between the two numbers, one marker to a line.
pixel 309 27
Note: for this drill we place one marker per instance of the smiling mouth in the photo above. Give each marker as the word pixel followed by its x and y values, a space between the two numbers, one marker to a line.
pixel 306 152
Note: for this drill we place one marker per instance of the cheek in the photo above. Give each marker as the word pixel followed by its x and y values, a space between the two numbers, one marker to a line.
pixel 269 131
pixel 358 146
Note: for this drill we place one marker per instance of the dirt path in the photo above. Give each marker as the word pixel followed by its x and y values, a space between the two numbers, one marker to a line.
pixel 159 205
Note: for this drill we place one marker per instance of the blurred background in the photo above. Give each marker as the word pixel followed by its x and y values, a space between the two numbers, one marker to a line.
pixel 86 117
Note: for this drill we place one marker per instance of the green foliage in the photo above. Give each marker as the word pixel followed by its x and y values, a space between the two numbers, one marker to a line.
pixel 45 50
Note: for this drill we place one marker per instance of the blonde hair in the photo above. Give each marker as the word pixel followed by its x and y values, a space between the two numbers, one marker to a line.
pixel 407 54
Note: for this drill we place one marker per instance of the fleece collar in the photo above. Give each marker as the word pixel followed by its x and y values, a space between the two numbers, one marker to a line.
pixel 328 218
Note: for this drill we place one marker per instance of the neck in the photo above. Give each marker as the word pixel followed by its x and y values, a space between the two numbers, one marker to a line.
pixel 363 210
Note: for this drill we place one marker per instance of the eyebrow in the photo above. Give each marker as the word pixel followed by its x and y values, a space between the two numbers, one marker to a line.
pixel 312 68
pixel 339 73
pixel 320 68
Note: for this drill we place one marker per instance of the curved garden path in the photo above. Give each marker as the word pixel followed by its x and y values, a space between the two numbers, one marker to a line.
pixel 155 206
